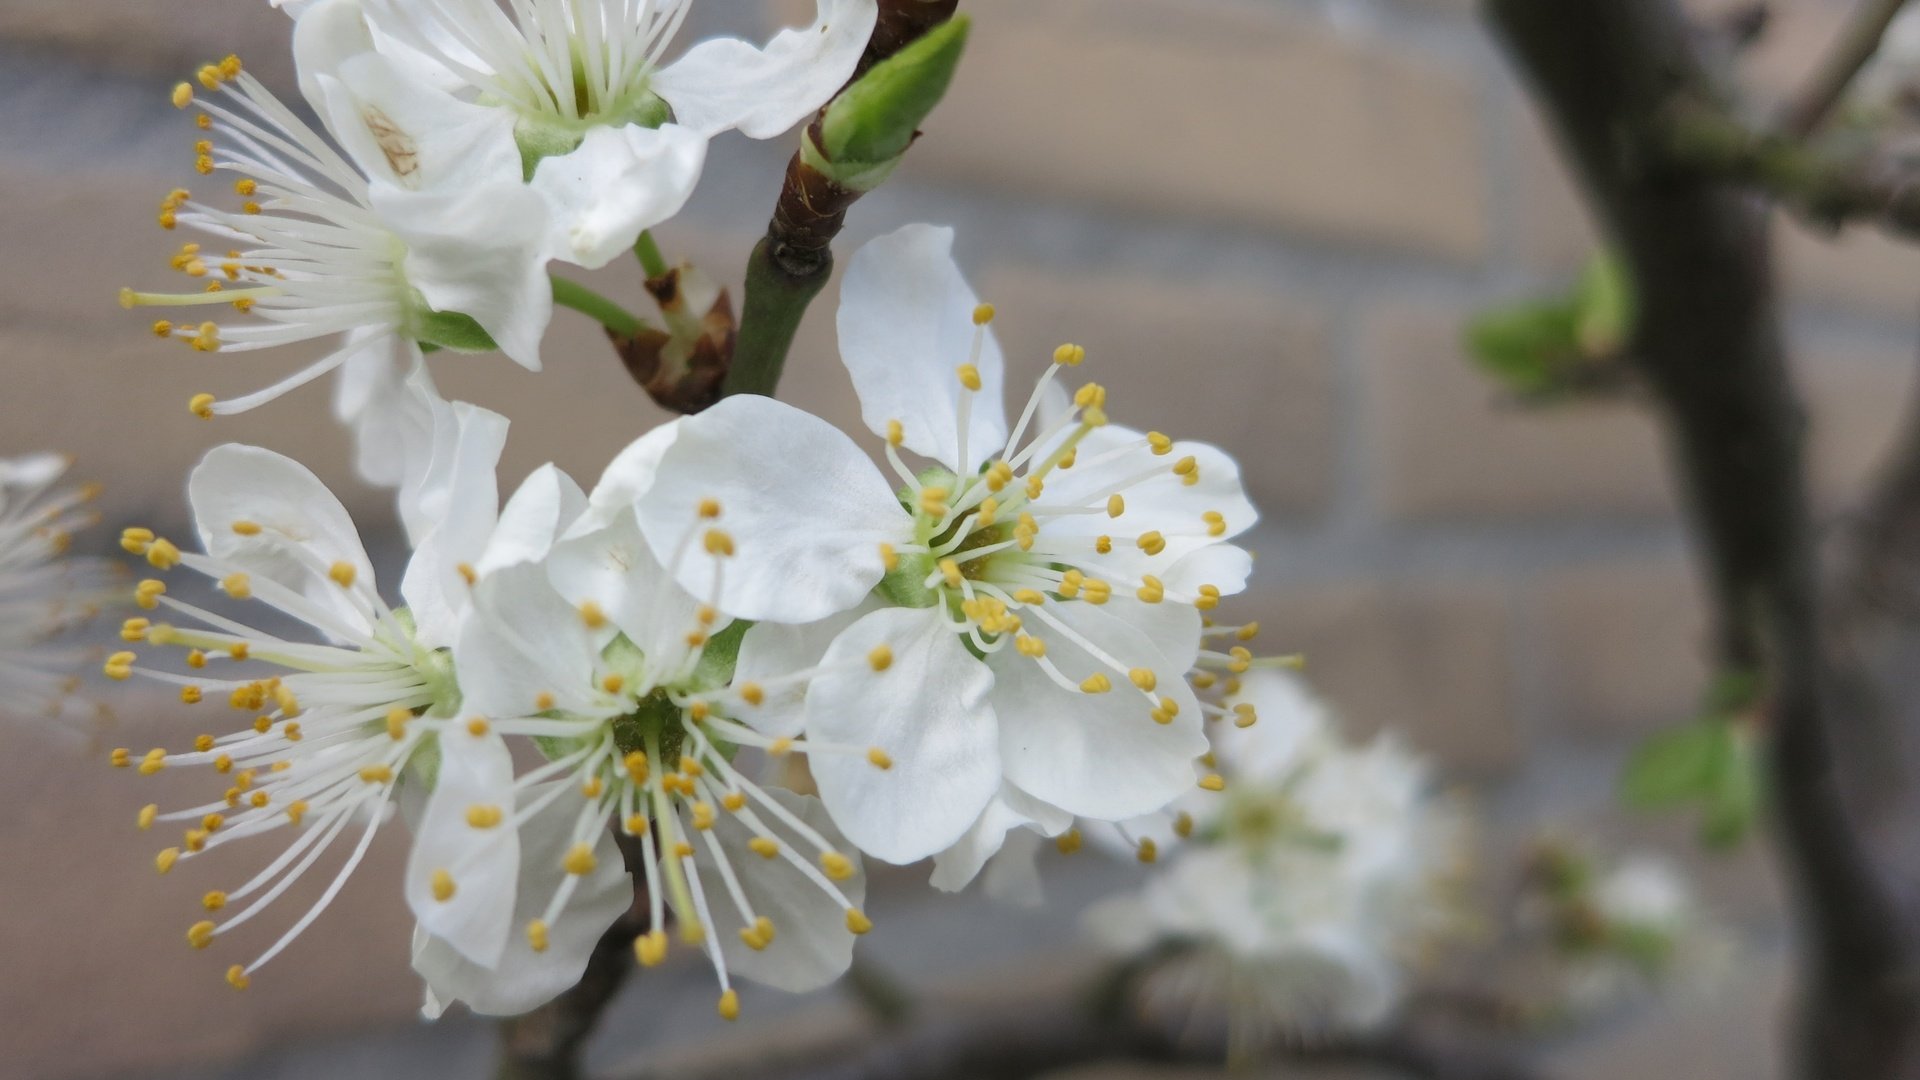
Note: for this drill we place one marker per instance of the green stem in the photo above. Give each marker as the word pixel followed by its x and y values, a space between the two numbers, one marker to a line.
pixel 775 303
pixel 648 252
pixel 572 294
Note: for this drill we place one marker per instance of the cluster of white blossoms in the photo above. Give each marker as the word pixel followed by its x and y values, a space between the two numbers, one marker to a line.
pixel 580 691
pixel 1300 900
pixel 44 593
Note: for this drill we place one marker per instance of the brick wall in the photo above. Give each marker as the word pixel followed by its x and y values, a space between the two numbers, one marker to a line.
pixel 1265 218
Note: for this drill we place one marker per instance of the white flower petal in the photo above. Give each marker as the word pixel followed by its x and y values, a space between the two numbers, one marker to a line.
pixel 480 865
pixel 770 651
pixel 326 34
pixel 812 945
pixel 614 569
pixel 383 392
pixel 1010 810
pixel 628 477
pixel 523 979
pixel 618 182
pixel 479 251
pixel 1100 756
pixel 806 510
pixel 541 510
pixel 1293 728
pixel 725 83
pixel 927 711
pixel 295 512
pixel 406 132
pixel 906 324
pixel 457 503
pixel 520 641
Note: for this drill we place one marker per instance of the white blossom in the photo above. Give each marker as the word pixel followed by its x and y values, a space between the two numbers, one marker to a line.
pixel 620 133
pixel 1038 586
pixel 335 716
pixel 44 591
pixel 364 241
pixel 629 684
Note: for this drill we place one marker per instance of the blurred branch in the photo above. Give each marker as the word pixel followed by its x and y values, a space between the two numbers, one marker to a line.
pixel 1708 342
pixel 546 1043
pixel 791 266
pixel 1856 46
pixel 1023 1039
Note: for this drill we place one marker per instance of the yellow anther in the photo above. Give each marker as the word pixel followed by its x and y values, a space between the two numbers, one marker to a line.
pixel 764 847
pixel 537 935
pixel 880 658
pixel 201 405
pixel 637 766
pixel 896 433
pixel 1213 782
pixel 147 595
pixel 889 558
pixel 933 501
pixel 857 921
pixel 1183 825
pixel 982 314
pixel 478 727
pixel 443 887
pixel 1143 678
pixel 162 328
pixel 343 574
pixel 703 816
pixel 1151 542
pixel 1116 505
pixel 1069 355
pixel 718 542
pixel 147 815
pixel 752 938
pixel 1070 583
pixel 182 95
pixel 751 693
pixel 697 711
pixel 1216 523
pixel 1096 683
pixel 709 508
pixel 1160 443
pixel 837 866
pixel 650 948
pixel 237 977
pixel 1147 851
pixel 579 861
pixel 1035 485
pixel 467 573
pixel 592 615
pixel 782 746
pixel 200 934
pixel 397 718
pixel 155 761
pixel 690 766
pixel 1103 544
pixel 245 186
pixel 999 475
pixel 613 684
pixel 879 758
pixel 1091 396
pixel 542 701
pixel 635 824
pixel 296 810
pixel 224 764
pixel 1244 715
pixel 950 573
pixel 135 541
pixel 1151 590
pixel 1097 592
pixel 162 555
pixel 969 376
pixel 592 787
pixel 1068 842
pixel 135 629
pixel 258 799
pixel 734 801
pixel 202 743
pixel 729 1006
pixel 196 659
pixel 209 76
pixel 288 702
pixel 1248 632
pixel 376 774
pixel 1030 646
pixel 164 861
pixel 230 67
pixel 214 900
pixel 191 695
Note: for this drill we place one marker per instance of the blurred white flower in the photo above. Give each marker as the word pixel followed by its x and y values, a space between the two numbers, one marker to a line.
pixel 421 231
pixel 1306 889
pixel 339 712
pixel 1891 80
pixel 619 136
pixel 631 688
pixel 44 591
pixel 1039 590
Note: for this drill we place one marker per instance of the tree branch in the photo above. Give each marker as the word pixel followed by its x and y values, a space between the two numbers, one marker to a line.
pixel 1708 343
pixel 1829 83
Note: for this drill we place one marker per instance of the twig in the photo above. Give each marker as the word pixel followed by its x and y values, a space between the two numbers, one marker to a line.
pixel 791 266
pixel 1857 44
pixel 1710 347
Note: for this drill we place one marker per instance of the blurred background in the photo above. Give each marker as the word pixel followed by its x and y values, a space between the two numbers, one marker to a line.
pixel 1267 221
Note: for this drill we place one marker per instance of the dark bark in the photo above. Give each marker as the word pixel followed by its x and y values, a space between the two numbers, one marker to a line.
pixel 1608 72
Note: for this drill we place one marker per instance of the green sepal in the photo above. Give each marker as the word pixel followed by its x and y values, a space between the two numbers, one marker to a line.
pixel 873 121
pixel 721 654
pixel 452 330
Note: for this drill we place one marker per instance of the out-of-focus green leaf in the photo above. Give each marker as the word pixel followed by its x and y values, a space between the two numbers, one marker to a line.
pixel 1603 307
pixel 1674 767
pixel 1736 789
pixel 1525 345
